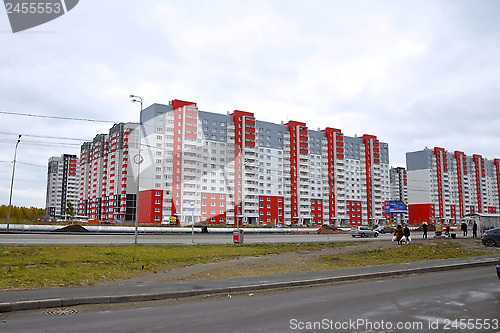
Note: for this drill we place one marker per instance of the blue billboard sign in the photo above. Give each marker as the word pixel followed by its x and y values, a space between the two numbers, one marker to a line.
pixel 395 207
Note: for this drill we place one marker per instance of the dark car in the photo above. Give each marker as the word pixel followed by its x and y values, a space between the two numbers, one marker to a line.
pixel 498 268
pixel 491 237
pixel 384 229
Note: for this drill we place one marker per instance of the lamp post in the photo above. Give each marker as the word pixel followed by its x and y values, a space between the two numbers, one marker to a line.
pixel 12 182
pixel 138 160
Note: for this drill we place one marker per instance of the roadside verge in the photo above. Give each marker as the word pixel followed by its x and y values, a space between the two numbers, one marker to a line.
pixel 31 299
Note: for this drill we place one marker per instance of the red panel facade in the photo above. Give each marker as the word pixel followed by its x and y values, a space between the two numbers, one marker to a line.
pixel 496 161
pixel 182 117
pixel 335 141
pixel 213 207
pixel 371 148
pixel 317 211
pixel 150 210
pixel 419 213
pixel 354 211
pixel 244 130
pixel 440 165
pixel 461 162
pixel 480 173
pixel 296 137
pixel 271 210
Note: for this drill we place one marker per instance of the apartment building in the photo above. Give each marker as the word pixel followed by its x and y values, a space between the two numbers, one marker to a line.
pixel 399 191
pixel 235 169
pixel 62 185
pixel 107 180
pixel 446 186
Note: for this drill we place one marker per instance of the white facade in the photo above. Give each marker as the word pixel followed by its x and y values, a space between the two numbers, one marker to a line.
pixel 446 186
pixel 62 185
pixel 399 191
pixel 107 187
pixel 234 169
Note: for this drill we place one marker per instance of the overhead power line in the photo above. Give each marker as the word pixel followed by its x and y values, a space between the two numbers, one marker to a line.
pixel 57 117
pixel 30 164
pixel 45 144
pixel 45 137
pixel 35 165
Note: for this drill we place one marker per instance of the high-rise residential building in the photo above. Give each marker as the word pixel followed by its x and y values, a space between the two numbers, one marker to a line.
pixel 399 191
pixel 446 186
pixel 107 183
pixel 62 186
pixel 234 169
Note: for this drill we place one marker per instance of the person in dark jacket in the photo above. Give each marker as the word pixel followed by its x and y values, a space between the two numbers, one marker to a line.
pixel 424 227
pixel 406 233
pixel 399 234
pixel 464 229
pixel 474 230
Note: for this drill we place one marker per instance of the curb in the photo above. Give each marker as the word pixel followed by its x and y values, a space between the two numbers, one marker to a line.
pixel 63 302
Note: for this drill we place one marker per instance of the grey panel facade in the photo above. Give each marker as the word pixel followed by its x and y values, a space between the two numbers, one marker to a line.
pixel 352 148
pixel 214 125
pixel 154 110
pixel 418 160
pixel 315 142
pixel 384 153
pixel 270 135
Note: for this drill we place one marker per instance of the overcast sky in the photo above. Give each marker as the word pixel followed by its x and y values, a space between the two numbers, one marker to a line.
pixel 413 73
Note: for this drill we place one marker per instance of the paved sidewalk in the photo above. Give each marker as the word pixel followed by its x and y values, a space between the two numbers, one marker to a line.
pixel 29 299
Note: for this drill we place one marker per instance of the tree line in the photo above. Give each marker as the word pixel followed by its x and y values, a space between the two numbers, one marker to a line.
pixel 19 214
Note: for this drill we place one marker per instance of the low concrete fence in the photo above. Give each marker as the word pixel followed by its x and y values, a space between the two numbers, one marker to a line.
pixel 120 229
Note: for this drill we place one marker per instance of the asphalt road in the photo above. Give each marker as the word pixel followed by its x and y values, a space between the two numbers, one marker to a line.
pixel 424 303
pixel 53 238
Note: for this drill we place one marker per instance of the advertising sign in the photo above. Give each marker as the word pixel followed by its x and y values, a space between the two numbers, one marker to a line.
pixel 396 206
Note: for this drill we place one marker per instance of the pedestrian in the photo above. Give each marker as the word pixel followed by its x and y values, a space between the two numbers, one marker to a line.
pixel 447 231
pixel 398 233
pixel 474 230
pixel 464 229
pixel 406 233
pixel 424 226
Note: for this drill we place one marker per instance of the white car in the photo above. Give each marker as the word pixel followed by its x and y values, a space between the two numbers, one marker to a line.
pixel 363 231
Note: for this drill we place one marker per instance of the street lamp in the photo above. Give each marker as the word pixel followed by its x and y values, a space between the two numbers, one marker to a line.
pixel 137 159
pixel 12 182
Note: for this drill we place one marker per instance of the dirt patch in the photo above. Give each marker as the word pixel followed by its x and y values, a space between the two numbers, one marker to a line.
pixel 290 262
pixel 72 228
pixel 261 265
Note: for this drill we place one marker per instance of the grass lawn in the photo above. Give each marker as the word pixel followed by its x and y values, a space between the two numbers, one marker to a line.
pixel 56 266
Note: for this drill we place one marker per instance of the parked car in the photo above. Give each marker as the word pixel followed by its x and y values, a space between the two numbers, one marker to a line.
pixel 363 231
pixel 498 268
pixel 491 237
pixel 382 229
